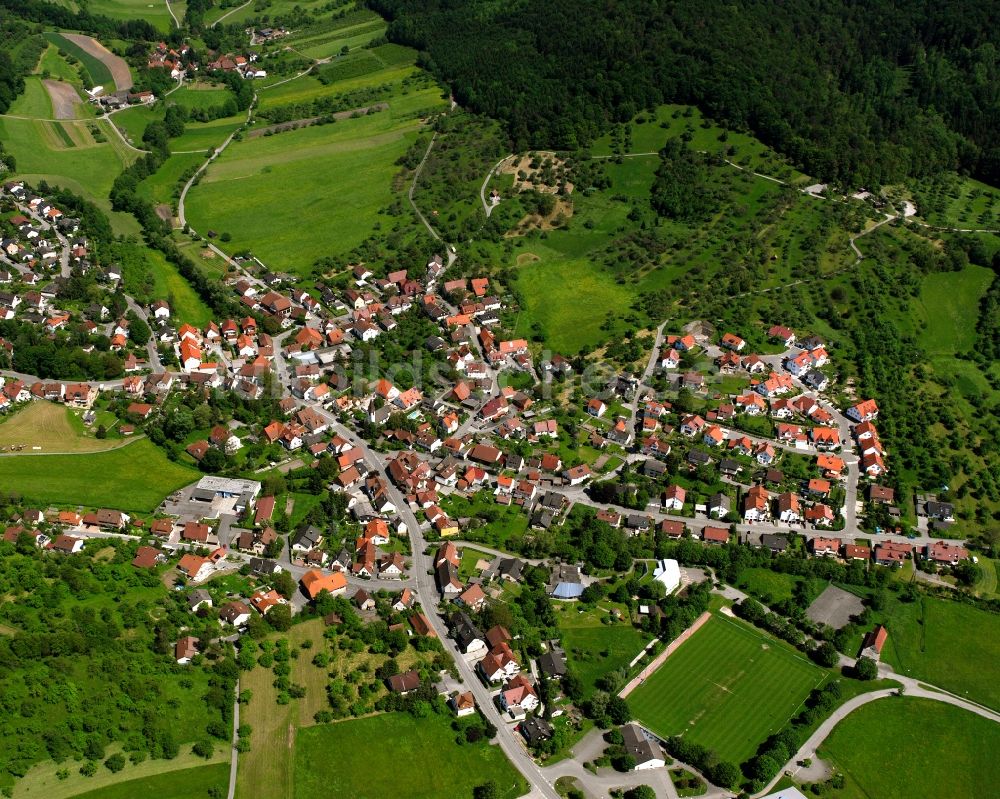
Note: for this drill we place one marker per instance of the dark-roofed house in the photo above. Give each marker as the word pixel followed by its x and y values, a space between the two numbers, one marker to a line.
pixel 468 637
pixel 647 753
pixel 535 730
pixel 405 682
pixel 775 543
pixel 552 664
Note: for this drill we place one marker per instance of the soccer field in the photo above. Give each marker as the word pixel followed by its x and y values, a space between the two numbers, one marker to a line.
pixel 727 688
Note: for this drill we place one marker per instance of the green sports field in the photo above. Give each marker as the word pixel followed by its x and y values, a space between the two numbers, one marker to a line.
pixel 867 748
pixel 727 688
pixel 102 479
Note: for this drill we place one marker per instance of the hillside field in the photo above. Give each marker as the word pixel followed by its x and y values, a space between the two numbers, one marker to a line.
pixel 330 178
pixel 436 768
pixel 51 428
pixel 102 479
pixel 948 644
pixel 859 748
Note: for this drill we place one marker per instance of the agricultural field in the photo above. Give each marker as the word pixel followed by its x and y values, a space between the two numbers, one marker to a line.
pixel 34 102
pixel 948 644
pixel 50 427
pixel 594 648
pixel 336 178
pixel 65 153
pixel 727 688
pixel 858 745
pixel 440 770
pixel 185 777
pixel 101 479
pixel 96 69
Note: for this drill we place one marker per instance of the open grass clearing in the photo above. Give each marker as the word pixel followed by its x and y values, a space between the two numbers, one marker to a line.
pixel 100 479
pixel 967 743
pixel 950 301
pixel 169 284
pixel 948 644
pixel 727 688
pixel 47 426
pixel 152 11
pixel 438 769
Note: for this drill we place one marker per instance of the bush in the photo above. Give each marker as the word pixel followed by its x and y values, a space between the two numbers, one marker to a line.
pixel 115 763
pixel 203 749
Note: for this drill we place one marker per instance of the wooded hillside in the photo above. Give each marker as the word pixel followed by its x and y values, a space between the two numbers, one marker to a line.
pixel 860 92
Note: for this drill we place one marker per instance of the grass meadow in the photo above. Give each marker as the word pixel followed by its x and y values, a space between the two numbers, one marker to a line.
pixel 727 688
pixel 48 426
pixel 185 777
pixel 34 102
pixel 277 729
pixel 333 179
pixel 947 644
pixel 101 479
pixel 432 767
pixel 949 300
pixel 960 751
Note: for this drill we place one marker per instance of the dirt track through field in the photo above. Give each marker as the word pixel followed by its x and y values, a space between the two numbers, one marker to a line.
pixel 117 65
pixel 64 98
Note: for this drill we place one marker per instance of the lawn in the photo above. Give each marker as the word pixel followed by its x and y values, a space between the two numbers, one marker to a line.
pixel 155 13
pixel 948 644
pixel 859 745
pixel 430 765
pixel 593 648
pixel 48 427
pixel 335 178
pixel 727 688
pixel 772 587
pixel 470 556
pixel 135 477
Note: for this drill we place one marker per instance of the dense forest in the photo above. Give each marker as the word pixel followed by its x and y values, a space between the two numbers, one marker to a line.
pixel 864 93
